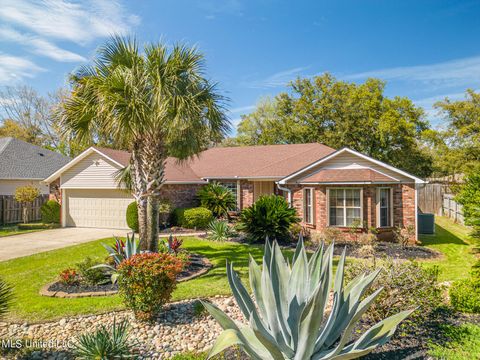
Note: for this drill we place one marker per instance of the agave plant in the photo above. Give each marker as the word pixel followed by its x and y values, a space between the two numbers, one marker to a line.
pixel 6 297
pixel 219 230
pixel 288 319
pixel 105 343
pixel 119 251
pixel 122 250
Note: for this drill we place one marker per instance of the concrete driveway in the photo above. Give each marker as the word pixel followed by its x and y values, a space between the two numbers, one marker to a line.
pixel 32 243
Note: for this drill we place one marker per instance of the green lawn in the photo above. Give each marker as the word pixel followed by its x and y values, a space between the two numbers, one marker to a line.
pixel 29 274
pixel 464 343
pixel 453 241
pixel 9 230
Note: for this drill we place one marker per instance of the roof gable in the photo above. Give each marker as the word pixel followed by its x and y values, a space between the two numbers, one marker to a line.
pixel 348 157
pixel 21 160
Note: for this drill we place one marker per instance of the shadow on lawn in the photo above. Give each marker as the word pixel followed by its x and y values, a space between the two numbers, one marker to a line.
pixel 441 236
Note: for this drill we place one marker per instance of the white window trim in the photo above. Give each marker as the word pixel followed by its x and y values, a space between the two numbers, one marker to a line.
pixel 378 207
pixel 312 199
pixel 345 216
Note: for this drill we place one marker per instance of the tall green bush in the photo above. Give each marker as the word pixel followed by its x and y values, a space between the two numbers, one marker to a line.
pixel 465 294
pixel 270 216
pixel 132 216
pixel 469 196
pixel 217 198
pixel 50 212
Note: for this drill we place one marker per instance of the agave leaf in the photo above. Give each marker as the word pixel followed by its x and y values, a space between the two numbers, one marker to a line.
pixel 240 294
pixel 298 277
pixel 362 308
pixel 298 248
pixel 381 332
pixel 230 338
pixel 266 339
pixel 224 321
pixel 315 267
pixel 255 277
pixel 312 315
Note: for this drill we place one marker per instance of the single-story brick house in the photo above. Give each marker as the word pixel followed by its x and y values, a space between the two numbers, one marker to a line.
pixel 327 187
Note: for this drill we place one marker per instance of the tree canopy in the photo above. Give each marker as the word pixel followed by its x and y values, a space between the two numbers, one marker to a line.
pixel 342 114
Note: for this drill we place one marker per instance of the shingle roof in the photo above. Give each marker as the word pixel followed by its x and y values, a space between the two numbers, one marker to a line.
pixel 347 175
pixel 21 160
pixel 274 161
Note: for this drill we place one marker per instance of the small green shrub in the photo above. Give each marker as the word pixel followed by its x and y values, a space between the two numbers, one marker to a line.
pixel 146 282
pixel 269 216
pixel 105 343
pixel 406 285
pixel 217 198
pixel 193 218
pixel 164 211
pixel 50 212
pixel 219 231
pixel 465 296
pixel 90 275
pixel 190 356
pixel 132 216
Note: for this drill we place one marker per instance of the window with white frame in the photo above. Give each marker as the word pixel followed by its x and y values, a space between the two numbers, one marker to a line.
pixel 308 205
pixel 345 207
pixel 385 207
pixel 232 186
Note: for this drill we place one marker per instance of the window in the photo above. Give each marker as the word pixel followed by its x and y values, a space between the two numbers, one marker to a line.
pixel 385 207
pixel 345 207
pixel 232 186
pixel 308 205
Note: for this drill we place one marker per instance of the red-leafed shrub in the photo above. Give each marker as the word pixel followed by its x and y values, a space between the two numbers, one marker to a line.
pixel 146 282
pixel 69 277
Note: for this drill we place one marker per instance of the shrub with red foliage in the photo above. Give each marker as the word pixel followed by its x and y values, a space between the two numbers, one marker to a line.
pixel 146 282
pixel 69 277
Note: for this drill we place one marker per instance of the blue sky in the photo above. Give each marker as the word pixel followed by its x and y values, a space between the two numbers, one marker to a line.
pixel 425 50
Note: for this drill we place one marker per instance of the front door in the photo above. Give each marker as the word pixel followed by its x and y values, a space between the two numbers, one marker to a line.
pixel 262 188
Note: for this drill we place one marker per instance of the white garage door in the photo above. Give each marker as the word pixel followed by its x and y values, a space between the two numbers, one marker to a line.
pixel 97 208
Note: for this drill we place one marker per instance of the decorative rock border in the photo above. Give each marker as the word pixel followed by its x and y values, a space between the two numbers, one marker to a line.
pixel 44 291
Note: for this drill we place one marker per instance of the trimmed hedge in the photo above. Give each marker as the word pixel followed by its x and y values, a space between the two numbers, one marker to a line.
pixel 50 212
pixel 37 226
pixel 192 218
pixel 132 216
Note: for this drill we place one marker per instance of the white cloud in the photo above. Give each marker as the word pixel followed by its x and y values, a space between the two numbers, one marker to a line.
pixel 459 72
pixel 79 22
pixel 39 46
pixel 278 79
pixel 242 109
pixel 13 68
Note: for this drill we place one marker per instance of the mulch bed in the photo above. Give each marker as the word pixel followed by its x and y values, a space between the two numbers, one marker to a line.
pixel 198 265
pixel 389 249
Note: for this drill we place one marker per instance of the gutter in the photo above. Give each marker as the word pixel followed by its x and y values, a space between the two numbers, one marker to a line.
pixel 287 190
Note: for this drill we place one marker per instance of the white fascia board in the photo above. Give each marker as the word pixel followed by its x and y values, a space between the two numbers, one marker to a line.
pixel 338 152
pixel 75 161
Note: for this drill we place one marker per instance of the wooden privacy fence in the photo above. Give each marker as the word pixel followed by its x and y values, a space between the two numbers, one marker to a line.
pixel 430 198
pixel 452 209
pixel 11 210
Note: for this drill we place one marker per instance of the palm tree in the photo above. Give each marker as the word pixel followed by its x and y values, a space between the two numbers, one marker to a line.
pixel 158 102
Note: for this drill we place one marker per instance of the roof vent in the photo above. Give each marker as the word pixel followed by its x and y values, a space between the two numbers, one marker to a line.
pixel 41 154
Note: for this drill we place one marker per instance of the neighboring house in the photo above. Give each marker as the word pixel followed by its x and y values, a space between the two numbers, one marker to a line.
pixel 24 164
pixel 327 187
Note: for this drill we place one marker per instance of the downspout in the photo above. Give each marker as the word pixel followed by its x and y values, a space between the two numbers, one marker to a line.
pixel 289 192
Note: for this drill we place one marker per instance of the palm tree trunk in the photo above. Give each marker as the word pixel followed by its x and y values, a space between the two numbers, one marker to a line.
pixel 142 223
pixel 139 187
pixel 152 223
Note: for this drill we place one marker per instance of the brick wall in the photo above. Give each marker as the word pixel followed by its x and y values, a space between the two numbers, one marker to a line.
pixel 403 207
pixel 181 195
pixel 246 193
